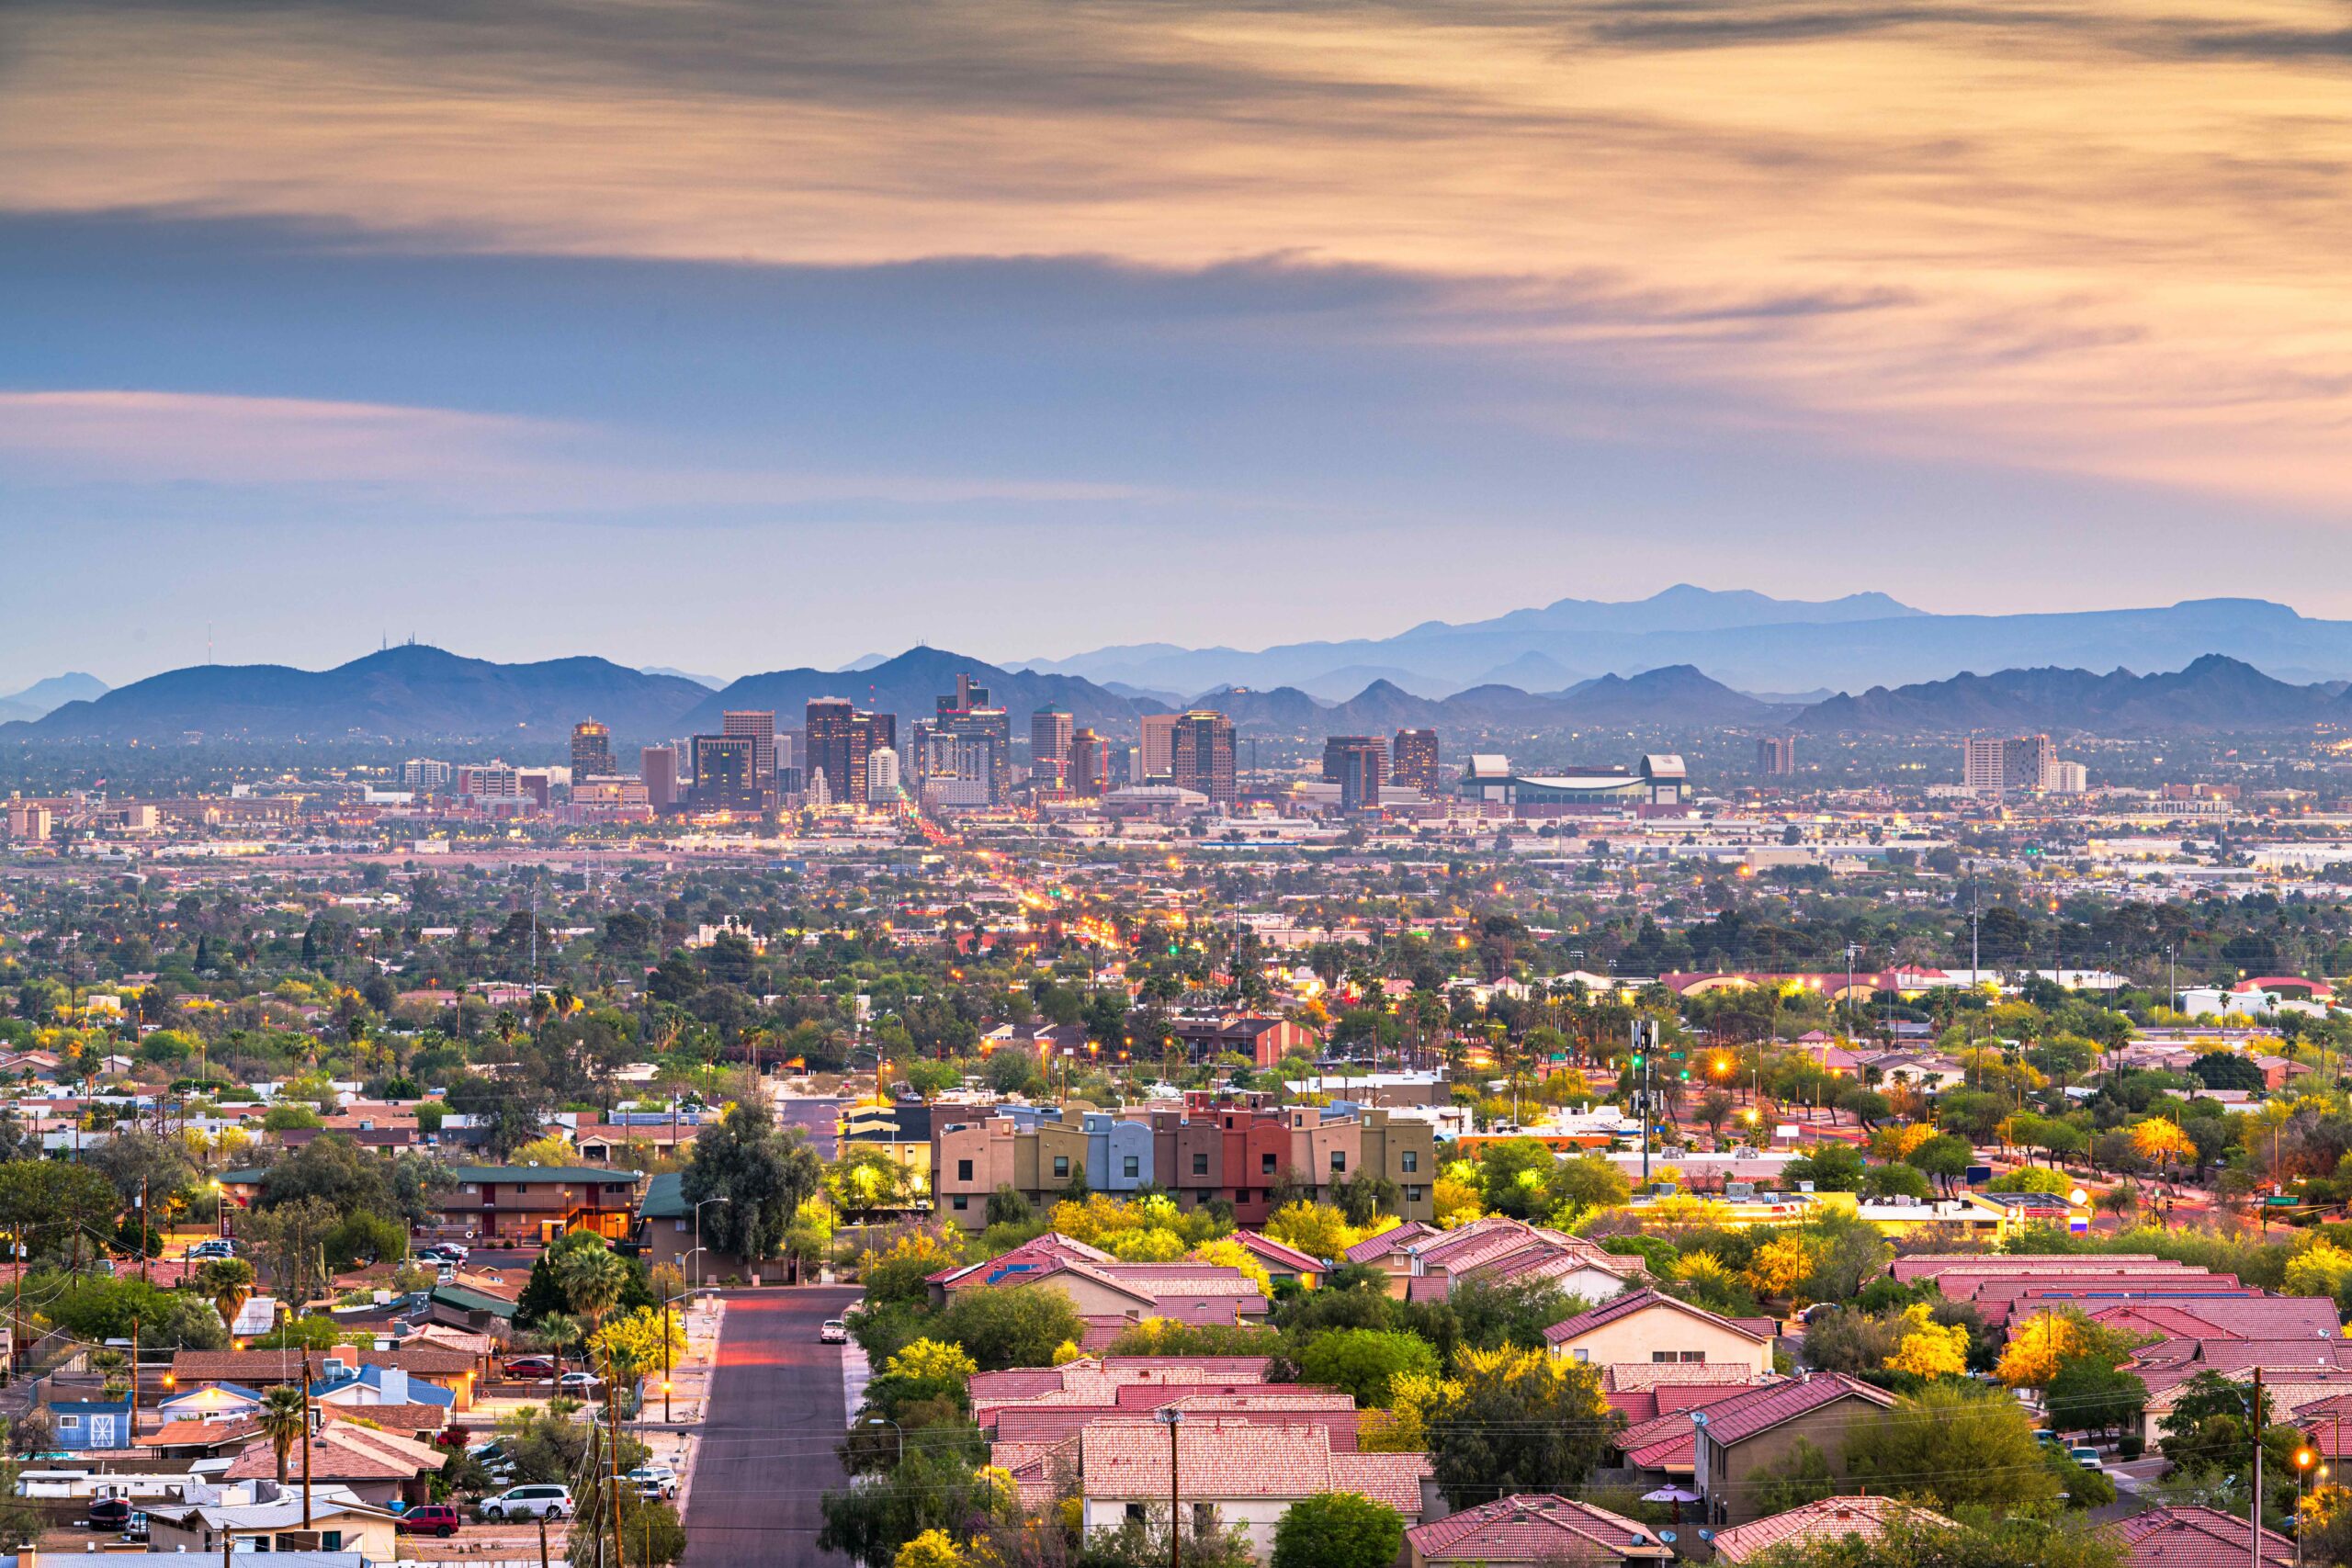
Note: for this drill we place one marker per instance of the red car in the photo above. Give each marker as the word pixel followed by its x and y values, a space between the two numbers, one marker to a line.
pixel 533 1367
pixel 428 1518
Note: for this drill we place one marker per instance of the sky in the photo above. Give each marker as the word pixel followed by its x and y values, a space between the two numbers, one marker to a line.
pixel 732 337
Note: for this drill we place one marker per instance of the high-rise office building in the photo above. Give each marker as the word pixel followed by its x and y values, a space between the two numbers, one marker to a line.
pixel 1201 755
pixel 591 751
pixel 1087 769
pixel 492 781
pixel 657 766
pixel 2017 765
pixel 829 720
pixel 1157 756
pixel 1359 765
pixel 882 777
pixel 759 726
pixel 967 713
pixel 868 733
pixel 423 774
pixel 2067 778
pixel 1412 761
pixel 725 774
pixel 1776 756
pixel 1050 730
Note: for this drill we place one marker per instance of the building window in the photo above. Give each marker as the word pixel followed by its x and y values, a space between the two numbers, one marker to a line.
pixel 1200 1165
pixel 678 1225
pixel 1675 1356
pixel 1135 1512
pixel 1338 1160
pixel 1583 1357
pixel 1131 1166
pixel 1265 1165
pixel 1204 1517
pixel 963 1170
pixel 962 1203
pixel 1409 1160
pixel 1061 1166
pixel 520 1187
pixel 69 1422
pixel 1412 1194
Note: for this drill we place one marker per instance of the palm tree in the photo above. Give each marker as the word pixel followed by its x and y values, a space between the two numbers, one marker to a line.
pixel 559 1330
pixel 281 1414
pixel 592 1280
pixel 229 1283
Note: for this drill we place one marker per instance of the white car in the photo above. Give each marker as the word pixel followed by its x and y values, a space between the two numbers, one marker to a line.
pixel 2086 1457
pixel 538 1501
pixel 584 1382
pixel 655 1479
pixel 833 1331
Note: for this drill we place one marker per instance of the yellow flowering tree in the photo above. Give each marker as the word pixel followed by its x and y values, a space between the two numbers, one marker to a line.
pixel 1227 1252
pixel 1403 1427
pixel 932 1549
pixel 635 1342
pixel 1457 1202
pixel 1929 1349
pixel 2318 1270
pixel 930 1359
pixel 2162 1141
pixel 1901 1143
pixel 1778 1267
pixel 2047 1341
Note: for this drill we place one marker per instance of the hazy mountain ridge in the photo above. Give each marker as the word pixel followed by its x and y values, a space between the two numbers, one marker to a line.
pixel 1756 643
pixel 2211 695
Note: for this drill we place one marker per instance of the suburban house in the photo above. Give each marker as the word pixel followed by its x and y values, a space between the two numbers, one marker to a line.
pixel 1761 1431
pixel 1282 1263
pixel 84 1423
pixel 1533 1530
pixel 1229 1472
pixel 902 1130
pixel 1112 1296
pixel 377 1467
pixel 246 1370
pixel 1648 1325
pixel 540 1202
pixel 1262 1040
pixel 1423 1263
pixel 339 1520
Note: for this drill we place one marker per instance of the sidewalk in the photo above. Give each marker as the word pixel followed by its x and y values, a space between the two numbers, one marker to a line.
pixel 678 1441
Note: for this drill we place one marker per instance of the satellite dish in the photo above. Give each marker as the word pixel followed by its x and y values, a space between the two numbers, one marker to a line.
pixel 1706 1535
pixel 1667 1536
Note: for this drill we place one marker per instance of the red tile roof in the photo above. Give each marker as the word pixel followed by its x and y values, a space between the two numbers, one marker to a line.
pixel 1633 1302
pixel 2188 1537
pixel 1536 1527
pixel 1224 1457
pixel 1754 1410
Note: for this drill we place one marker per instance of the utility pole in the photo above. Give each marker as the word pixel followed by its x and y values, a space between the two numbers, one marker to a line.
pixel 1174 1421
pixel 306 1436
pixel 543 1541
pixel 665 1358
pixel 134 1377
pixel 613 1452
pixel 143 1250
pixel 2256 1509
pixel 1642 1057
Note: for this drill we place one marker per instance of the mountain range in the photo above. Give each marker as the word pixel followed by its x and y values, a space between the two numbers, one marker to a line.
pixel 44 696
pixel 417 694
pixel 1750 641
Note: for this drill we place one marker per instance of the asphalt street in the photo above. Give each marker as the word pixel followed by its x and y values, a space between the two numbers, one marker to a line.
pixel 767 1443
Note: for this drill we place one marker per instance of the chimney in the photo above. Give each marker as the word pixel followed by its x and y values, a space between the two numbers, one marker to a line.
pixel 348 1355
pixel 392 1383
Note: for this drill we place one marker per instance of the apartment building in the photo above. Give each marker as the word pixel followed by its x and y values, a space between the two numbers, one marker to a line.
pixel 1240 1155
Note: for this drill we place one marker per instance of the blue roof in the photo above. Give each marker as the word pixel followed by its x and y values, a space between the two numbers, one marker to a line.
pixel 419 1391
pixel 94 1406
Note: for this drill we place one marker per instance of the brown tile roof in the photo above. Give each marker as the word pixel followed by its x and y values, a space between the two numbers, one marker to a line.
pixel 1832 1518
pixel 259 1369
pixel 1537 1527
pixel 340 1451
pixel 1225 1457
pixel 191 1433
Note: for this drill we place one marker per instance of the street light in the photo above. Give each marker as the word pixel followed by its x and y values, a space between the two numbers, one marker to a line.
pixel 722 1197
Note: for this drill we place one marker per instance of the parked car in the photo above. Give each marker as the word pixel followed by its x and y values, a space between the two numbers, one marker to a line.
pixel 653 1481
pixel 214 1246
pixel 110 1514
pixel 2086 1457
pixel 443 1251
pixel 537 1501
pixel 583 1382
pixel 832 1331
pixel 530 1367
pixel 429 1519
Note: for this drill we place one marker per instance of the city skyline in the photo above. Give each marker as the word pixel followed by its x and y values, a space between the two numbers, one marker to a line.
pixel 346 321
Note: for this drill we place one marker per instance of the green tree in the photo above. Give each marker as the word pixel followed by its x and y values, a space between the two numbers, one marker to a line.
pixel 765 1173
pixel 1365 1361
pixel 1516 1420
pixel 1337 1530
pixel 2088 1395
pixel 281 1415
pixel 1954 1446
pixel 1803 1477
pixel 332 1168
pixel 1012 1325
